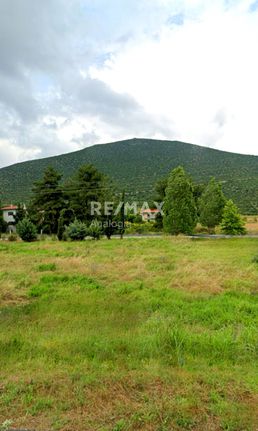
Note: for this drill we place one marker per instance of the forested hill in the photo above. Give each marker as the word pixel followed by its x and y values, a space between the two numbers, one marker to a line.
pixel 136 164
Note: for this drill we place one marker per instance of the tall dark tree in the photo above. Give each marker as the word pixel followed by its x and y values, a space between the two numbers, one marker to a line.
pixel 211 204
pixel 160 189
pixel 66 217
pixel 47 201
pixel 198 190
pixel 160 192
pixel 179 205
pixel 122 217
pixel 88 185
pixel 20 213
pixel 3 224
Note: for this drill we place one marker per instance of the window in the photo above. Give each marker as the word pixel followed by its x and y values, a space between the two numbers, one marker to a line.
pixel 10 213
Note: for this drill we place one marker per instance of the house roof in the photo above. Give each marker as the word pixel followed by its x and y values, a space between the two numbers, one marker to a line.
pixel 150 210
pixel 9 208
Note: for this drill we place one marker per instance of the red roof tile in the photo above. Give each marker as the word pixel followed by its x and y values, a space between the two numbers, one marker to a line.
pixel 9 208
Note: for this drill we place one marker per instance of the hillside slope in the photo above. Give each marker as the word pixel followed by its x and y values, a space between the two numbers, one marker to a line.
pixel 136 164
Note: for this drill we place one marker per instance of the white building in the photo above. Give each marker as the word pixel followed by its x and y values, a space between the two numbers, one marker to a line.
pixel 149 214
pixel 9 212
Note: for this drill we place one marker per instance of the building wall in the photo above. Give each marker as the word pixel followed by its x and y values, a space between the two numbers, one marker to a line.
pixel 8 216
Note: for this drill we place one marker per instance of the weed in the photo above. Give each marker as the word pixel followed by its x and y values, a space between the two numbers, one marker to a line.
pixel 47 267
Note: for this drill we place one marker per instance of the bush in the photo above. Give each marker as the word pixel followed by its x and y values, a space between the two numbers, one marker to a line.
pixel 201 229
pixel 140 228
pixel 76 231
pixel 94 230
pixel 26 230
pixel 232 222
pixel 47 267
pixel 12 237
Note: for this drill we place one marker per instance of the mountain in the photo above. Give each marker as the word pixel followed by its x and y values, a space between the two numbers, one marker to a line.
pixel 136 164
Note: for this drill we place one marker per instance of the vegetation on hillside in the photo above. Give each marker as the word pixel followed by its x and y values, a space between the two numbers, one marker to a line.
pixel 136 165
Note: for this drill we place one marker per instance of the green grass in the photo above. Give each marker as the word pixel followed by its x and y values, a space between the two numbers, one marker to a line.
pixel 148 334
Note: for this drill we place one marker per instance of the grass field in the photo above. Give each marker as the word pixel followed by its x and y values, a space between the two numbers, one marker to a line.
pixel 140 334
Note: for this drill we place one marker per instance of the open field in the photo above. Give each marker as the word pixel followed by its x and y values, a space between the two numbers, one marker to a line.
pixel 141 334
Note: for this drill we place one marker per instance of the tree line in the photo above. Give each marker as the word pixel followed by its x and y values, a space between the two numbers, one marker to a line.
pixel 186 204
pixel 64 209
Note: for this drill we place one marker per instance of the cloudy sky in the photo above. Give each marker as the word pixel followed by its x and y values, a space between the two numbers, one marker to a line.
pixel 78 72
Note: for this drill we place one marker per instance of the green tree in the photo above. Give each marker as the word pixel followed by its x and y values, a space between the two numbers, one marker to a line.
pixel 198 190
pixel 76 230
pixel 3 224
pixel 179 205
pixel 160 189
pixel 66 217
pixel 95 230
pixel 88 185
pixel 211 204
pixel 232 222
pixel 26 230
pixel 47 201
pixel 160 193
pixel 20 213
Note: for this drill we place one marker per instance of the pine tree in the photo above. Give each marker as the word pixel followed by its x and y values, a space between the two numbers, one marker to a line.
pixel 211 204
pixel 47 201
pixel 232 222
pixel 20 213
pixel 179 205
pixel 88 185
pixel 3 224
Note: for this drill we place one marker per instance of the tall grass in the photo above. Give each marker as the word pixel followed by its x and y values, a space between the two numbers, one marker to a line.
pixel 134 343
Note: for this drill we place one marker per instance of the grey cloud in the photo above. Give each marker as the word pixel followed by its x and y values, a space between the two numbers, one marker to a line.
pixel 44 45
pixel 94 97
pixel 88 138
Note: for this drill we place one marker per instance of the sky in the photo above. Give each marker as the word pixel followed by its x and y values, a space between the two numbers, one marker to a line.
pixel 74 73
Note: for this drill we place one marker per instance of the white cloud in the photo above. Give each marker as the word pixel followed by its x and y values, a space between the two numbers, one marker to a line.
pixel 193 71
pixel 12 153
pixel 73 74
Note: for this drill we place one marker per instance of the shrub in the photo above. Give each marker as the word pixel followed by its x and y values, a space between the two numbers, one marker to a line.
pixel 140 228
pixel 12 237
pixel 94 230
pixel 47 267
pixel 76 231
pixel 232 222
pixel 26 230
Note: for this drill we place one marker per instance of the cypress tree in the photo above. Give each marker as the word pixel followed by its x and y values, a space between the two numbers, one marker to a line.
pixel 211 204
pixel 179 205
